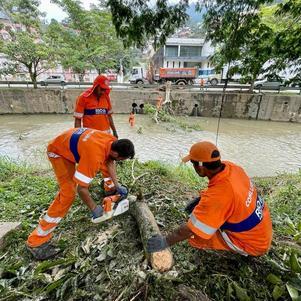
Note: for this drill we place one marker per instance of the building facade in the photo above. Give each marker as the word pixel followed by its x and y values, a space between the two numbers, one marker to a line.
pixel 185 53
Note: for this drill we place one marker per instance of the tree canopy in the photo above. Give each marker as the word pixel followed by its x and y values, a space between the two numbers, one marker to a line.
pixel 230 26
pixel 137 22
pixel 26 49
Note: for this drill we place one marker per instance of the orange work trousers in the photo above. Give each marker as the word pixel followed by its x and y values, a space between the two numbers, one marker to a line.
pixel 216 242
pixel 64 171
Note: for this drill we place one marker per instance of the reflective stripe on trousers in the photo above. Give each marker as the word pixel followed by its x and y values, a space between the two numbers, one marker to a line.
pixel 47 224
pixel 231 245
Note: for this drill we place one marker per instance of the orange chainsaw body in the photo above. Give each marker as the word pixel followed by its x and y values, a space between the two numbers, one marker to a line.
pixel 108 202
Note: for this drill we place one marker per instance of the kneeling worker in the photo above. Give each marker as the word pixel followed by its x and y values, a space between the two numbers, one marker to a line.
pixel 93 152
pixel 229 215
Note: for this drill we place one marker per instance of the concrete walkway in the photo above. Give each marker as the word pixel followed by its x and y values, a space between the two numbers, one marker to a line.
pixel 5 228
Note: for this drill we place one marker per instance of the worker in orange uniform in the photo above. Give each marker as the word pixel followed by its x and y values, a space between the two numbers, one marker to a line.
pixel 159 102
pixel 132 119
pixel 228 215
pixel 77 155
pixel 93 107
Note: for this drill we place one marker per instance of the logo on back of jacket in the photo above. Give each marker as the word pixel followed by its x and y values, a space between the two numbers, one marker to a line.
pixel 101 111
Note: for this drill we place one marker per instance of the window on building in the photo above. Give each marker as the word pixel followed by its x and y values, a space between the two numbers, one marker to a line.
pixel 179 64
pixel 167 64
pixel 171 51
pixel 191 64
pixel 173 64
pixel 189 51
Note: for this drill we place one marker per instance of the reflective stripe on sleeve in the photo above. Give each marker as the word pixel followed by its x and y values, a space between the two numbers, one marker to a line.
pixel 201 226
pixel 51 220
pixel 231 245
pixel 82 177
pixel 41 232
pixel 78 115
pixel 52 155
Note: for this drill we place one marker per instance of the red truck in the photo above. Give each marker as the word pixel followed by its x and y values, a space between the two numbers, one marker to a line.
pixel 179 76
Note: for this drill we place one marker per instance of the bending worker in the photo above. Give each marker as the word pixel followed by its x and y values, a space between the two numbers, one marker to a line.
pixel 93 107
pixel 92 151
pixel 228 215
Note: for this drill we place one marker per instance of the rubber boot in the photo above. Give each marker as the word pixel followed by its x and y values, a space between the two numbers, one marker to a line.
pixel 43 252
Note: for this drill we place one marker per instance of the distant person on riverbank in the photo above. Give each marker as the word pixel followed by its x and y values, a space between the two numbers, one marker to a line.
pixel 76 156
pixel 93 107
pixel 132 119
pixel 228 215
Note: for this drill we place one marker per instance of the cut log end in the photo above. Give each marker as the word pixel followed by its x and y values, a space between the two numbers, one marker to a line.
pixel 162 261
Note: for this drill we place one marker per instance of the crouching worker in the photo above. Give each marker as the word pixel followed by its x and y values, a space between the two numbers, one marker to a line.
pixel 229 215
pixel 77 155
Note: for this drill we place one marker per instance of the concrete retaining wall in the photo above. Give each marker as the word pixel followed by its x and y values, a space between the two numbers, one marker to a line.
pixel 236 105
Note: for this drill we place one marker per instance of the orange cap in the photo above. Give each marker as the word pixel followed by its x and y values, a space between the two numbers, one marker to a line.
pixel 101 81
pixel 203 151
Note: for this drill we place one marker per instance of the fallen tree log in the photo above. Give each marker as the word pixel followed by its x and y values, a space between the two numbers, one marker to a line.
pixel 161 261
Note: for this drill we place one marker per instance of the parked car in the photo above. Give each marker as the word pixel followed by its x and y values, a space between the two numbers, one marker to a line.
pixel 270 83
pixel 54 80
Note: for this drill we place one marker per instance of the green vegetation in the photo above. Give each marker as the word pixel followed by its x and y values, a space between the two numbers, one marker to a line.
pixel 243 43
pixel 87 40
pixel 166 115
pixel 106 261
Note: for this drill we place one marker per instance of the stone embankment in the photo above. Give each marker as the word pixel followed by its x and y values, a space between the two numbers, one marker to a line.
pixel 237 105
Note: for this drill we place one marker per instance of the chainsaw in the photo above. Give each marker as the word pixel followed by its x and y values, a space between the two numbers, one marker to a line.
pixel 112 205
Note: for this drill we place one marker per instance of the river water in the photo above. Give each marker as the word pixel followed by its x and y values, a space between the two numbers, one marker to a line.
pixel 263 148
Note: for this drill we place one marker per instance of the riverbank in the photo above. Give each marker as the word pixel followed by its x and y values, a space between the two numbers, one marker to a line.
pixel 258 106
pixel 263 148
pixel 115 268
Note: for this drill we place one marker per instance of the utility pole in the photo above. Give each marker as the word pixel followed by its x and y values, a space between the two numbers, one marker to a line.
pixel 120 73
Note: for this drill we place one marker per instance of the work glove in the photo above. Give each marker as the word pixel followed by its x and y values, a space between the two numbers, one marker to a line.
pixel 115 134
pixel 191 205
pixel 122 190
pixel 156 243
pixel 97 212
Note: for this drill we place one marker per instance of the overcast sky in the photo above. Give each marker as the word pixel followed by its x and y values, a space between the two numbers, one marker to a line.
pixel 55 12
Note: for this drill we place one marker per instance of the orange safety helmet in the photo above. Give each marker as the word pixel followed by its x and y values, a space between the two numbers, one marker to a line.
pixel 203 151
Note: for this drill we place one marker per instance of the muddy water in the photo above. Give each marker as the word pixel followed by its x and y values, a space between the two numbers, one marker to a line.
pixel 262 148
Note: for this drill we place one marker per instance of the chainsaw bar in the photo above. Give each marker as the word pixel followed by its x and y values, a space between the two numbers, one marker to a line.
pixel 119 208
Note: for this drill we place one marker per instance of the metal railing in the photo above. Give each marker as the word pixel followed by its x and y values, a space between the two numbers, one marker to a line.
pixel 206 88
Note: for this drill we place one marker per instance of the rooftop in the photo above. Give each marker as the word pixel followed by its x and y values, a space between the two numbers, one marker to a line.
pixel 185 41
